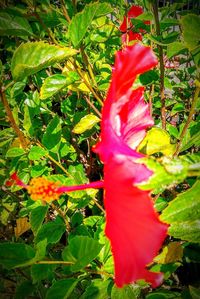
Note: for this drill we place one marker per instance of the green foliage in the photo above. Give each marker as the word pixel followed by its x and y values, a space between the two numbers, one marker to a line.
pixel 81 251
pixel 31 57
pixel 56 83
pixel 79 24
pixel 52 137
pixel 55 68
pixel 183 214
pixel 14 25
pixel 61 289
pixel 86 123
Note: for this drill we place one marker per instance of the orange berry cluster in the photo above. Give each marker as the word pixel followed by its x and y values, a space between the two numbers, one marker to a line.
pixel 42 189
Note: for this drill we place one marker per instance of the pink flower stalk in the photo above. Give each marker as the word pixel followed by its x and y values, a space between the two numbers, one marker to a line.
pixel 128 29
pixel 42 189
pixel 133 227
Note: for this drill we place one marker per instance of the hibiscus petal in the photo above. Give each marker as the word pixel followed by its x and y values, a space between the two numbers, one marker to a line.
pixel 129 63
pixel 135 11
pixel 133 227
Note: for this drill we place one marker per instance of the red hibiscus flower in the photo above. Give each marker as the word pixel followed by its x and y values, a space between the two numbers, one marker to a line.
pixel 132 225
pixel 128 29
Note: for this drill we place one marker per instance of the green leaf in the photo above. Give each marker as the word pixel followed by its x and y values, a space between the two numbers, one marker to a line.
pixel 174 49
pixel 31 57
pixel 166 174
pixel 191 141
pixel 14 25
pixel 86 123
pixel 191 30
pixel 37 170
pixel 183 215
pixel 78 177
pixel 195 293
pixel 52 137
pixel 127 292
pixel 163 294
pixel 61 289
pixel 42 271
pixel 40 251
pixel 185 207
pixel 23 290
pixel 157 140
pixel 13 255
pixel 17 89
pixel 81 21
pixel 148 77
pixel 37 152
pixel 37 217
pixel 81 251
pixel 55 83
pixel 187 230
pixel 15 152
pixel 52 231
pixel 145 16
pixel 98 289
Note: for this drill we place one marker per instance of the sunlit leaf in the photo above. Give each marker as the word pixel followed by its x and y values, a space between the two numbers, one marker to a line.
pixel 191 30
pixel 183 215
pixel 127 292
pixel 165 175
pixel 81 21
pixel 15 152
pixel 37 152
pixel 185 207
pixel 174 49
pixel 157 140
pixel 187 230
pixel 56 83
pixel 31 57
pixel 86 123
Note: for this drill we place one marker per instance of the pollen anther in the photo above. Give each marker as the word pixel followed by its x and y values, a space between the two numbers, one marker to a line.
pixel 42 189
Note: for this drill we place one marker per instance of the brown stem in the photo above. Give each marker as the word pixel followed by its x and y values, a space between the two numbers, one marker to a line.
pixel 162 67
pixel 54 262
pixel 151 92
pixel 45 27
pixel 77 68
pixel 54 161
pixel 60 212
pixel 191 113
pixel 92 106
pixel 87 64
pixel 15 127
pixel 65 13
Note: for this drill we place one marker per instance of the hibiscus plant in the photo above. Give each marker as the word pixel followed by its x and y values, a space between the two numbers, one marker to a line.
pixel 99 143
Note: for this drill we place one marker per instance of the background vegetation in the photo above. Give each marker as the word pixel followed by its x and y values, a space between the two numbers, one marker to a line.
pixel 56 62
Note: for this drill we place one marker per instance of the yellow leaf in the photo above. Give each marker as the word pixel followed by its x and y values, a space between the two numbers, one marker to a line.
pixel 157 140
pixel 86 123
pixel 171 253
pixel 22 226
